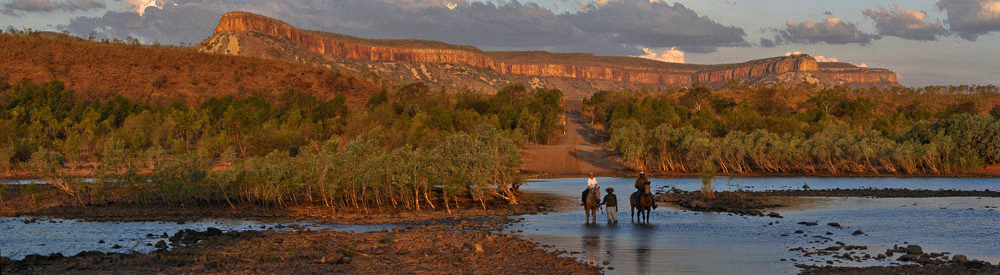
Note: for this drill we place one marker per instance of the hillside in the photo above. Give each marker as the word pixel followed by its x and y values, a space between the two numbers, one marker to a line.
pixel 160 74
pixel 442 64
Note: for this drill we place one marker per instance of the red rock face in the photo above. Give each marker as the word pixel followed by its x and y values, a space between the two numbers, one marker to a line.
pixel 651 75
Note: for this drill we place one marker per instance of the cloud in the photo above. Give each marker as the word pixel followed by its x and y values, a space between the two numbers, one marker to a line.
pixel 618 27
pixel 904 23
pixel 139 6
pixel 672 55
pixel 820 58
pixel 656 24
pixel 19 7
pixel 972 18
pixel 831 30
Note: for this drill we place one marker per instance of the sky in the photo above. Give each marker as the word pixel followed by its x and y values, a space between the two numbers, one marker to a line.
pixel 927 42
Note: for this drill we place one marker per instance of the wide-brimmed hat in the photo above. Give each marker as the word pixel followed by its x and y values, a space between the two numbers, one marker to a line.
pixel 609 190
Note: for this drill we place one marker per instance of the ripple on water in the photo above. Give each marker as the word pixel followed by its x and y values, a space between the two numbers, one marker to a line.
pixel 20 237
pixel 679 241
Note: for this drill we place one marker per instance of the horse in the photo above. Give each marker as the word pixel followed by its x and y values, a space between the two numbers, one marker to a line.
pixel 642 201
pixel 593 201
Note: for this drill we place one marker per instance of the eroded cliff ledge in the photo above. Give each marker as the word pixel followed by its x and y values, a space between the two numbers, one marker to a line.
pixel 629 70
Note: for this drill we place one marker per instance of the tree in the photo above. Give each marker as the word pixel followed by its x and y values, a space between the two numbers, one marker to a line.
pixel 706 171
pixel 696 97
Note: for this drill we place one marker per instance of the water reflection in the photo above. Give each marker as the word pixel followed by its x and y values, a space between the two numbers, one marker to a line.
pixel 684 242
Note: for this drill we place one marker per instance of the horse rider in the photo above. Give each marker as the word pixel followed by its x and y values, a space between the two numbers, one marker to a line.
pixel 591 184
pixel 641 182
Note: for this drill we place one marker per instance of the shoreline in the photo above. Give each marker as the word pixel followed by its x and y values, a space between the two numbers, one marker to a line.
pixel 984 173
pixel 450 249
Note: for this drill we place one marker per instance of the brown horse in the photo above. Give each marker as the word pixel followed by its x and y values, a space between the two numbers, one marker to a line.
pixel 642 200
pixel 593 201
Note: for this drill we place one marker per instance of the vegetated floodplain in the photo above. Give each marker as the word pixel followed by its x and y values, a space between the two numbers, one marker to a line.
pixel 801 129
pixel 408 148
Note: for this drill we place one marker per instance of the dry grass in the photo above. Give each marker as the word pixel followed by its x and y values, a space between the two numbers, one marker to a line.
pixel 162 75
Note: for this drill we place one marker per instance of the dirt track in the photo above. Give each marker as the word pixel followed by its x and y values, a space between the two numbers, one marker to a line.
pixel 577 152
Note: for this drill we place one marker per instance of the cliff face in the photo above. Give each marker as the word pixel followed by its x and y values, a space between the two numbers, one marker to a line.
pixel 757 69
pixel 581 67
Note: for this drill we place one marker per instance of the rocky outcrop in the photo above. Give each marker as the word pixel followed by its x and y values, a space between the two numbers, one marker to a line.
pixel 631 70
pixel 757 69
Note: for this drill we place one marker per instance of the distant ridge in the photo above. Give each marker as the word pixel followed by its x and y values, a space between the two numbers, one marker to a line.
pixel 247 34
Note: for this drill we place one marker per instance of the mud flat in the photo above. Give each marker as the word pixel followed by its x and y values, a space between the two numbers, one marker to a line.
pixel 434 248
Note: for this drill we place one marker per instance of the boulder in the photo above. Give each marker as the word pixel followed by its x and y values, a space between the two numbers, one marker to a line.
pixel 808 223
pixel 698 204
pixel 332 258
pixel 161 244
pixel 212 231
pixel 959 258
pixel 774 215
pixel 833 224
pixel 914 249
pixel 880 256
pixel 857 232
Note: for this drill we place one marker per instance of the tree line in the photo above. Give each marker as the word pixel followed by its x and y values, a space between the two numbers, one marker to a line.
pixel 409 147
pixel 761 130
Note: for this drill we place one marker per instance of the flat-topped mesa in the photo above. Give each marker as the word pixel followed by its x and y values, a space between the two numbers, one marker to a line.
pixel 847 73
pixel 627 70
pixel 369 49
pixel 757 69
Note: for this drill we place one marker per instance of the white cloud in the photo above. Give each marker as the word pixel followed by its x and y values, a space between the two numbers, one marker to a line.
pixel 139 6
pixel 821 58
pixel 672 55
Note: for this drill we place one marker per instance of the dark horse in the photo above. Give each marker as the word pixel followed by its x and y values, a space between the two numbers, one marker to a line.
pixel 642 201
pixel 591 204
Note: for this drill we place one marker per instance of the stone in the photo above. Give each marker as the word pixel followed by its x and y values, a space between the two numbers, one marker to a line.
pixel 880 256
pixel 809 223
pixel 959 258
pixel 857 232
pixel 161 244
pixel 914 249
pixel 212 231
pixel 774 215
pixel 606 262
pixel 332 258
pixel 833 224
pixel 116 246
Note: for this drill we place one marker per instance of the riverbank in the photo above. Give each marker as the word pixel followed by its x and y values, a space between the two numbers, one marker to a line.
pixel 53 204
pixel 438 248
pixel 757 203
pixel 990 171
pixel 965 268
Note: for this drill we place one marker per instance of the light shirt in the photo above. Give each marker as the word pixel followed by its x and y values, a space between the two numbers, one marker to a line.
pixel 591 183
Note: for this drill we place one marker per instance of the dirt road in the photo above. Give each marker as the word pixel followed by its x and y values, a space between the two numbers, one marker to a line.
pixel 577 153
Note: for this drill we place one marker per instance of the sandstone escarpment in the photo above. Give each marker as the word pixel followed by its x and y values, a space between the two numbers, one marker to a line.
pixel 843 73
pixel 434 61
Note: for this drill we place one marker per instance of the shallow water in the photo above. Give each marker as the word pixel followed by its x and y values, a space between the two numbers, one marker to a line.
pixel 69 237
pixel 679 241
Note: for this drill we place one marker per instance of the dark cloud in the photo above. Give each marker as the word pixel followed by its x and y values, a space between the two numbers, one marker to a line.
pixel 831 30
pixel 656 24
pixel 767 43
pixel 904 23
pixel 621 27
pixel 19 7
pixel 971 18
